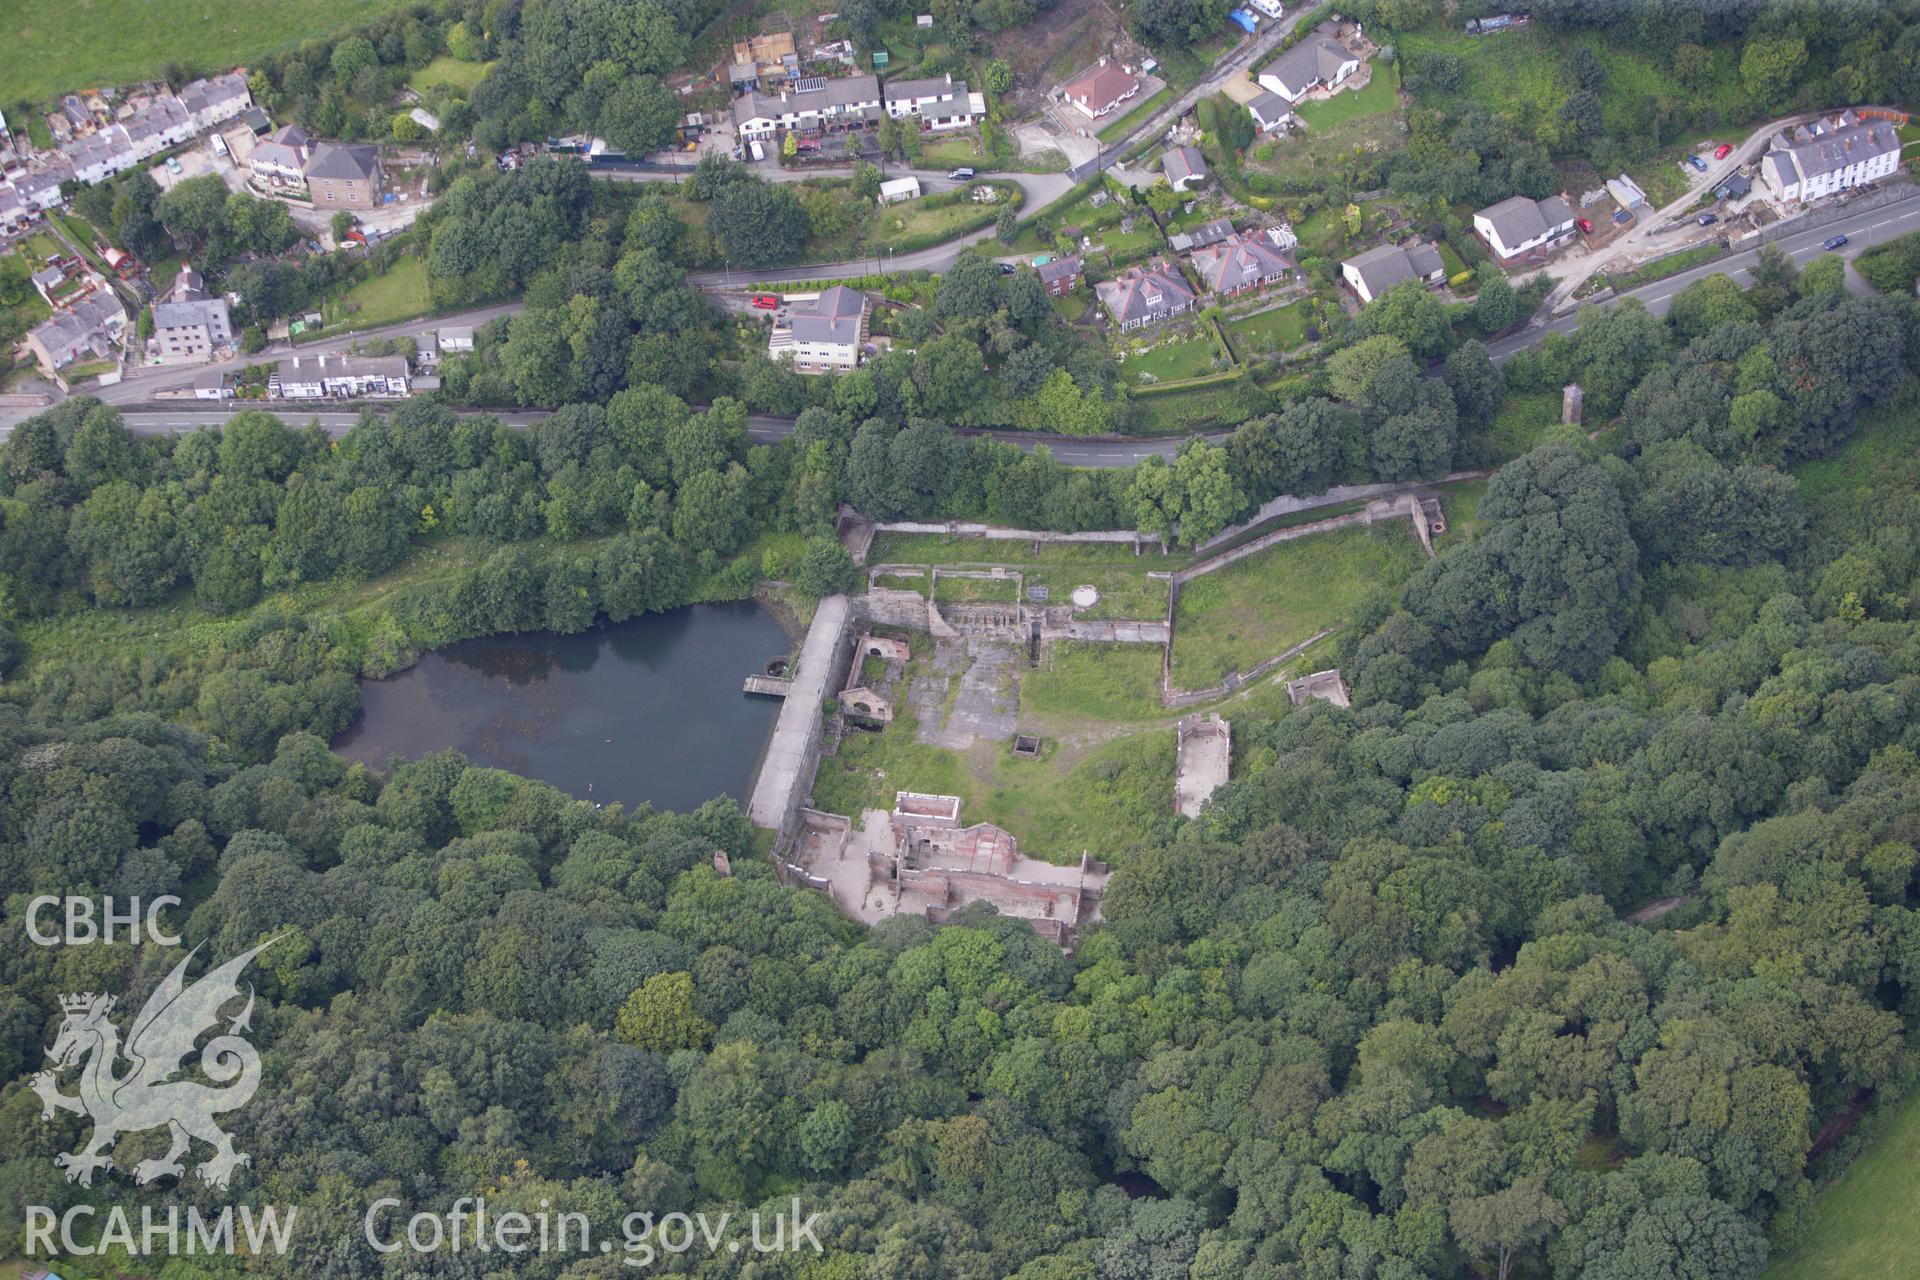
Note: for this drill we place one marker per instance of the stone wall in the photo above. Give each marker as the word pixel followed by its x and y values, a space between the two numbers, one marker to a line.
pixel 793 752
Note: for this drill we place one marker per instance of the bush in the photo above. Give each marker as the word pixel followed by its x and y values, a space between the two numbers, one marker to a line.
pixel 825 569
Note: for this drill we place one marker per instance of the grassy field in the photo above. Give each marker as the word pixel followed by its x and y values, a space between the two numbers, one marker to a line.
pixel 1171 361
pixel 1885 445
pixel 1863 1225
pixel 1237 618
pixel 1124 593
pixel 449 73
pixel 396 295
pixel 1120 577
pixel 1461 503
pixel 917 223
pixel 1367 119
pixel 1096 682
pixel 1381 95
pixel 1281 329
pixel 54 49
pixel 1073 799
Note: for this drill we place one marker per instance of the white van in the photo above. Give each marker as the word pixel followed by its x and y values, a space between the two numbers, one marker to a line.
pixel 219 144
pixel 759 152
pixel 1272 8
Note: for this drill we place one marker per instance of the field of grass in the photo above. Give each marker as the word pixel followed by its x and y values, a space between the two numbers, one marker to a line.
pixel 918 223
pixel 451 74
pixel 1281 329
pixel 1461 504
pixel 1171 361
pixel 1071 800
pixel 953 590
pixel 396 295
pixel 54 49
pixel 1863 1227
pixel 1380 96
pixel 1237 618
pixel 1367 119
pixel 1118 129
pixel 1095 682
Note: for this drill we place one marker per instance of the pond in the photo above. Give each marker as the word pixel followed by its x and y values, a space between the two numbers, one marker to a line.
pixel 644 710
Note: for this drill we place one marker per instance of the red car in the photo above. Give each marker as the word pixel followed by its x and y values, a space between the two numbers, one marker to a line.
pixel 1724 150
pixel 766 302
pixel 1586 225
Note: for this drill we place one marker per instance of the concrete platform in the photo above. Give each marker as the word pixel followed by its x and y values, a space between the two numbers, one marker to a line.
pixel 797 733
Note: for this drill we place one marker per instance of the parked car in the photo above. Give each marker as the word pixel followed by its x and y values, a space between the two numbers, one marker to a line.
pixel 766 301
pixel 173 165
pixel 1006 268
pixel 1622 216
pixel 1697 163
pixel 1833 242
pixel 960 175
pixel 1585 225
pixel 1722 151
pixel 1708 219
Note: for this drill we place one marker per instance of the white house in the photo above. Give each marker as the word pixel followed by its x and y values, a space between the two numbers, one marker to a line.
pixel 39 189
pixel 814 105
pixel 939 104
pixel 825 335
pixel 190 322
pixel 160 124
pixel 1270 111
pixel 455 337
pixel 338 376
pixel 1185 168
pixel 898 189
pixel 283 155
pixel 211 385
pixel 1100 91
pixel 99 156
pixel 1830 155
pixel 1316 62
pixel 1380 268
pixel 216 99
pixel 1519 226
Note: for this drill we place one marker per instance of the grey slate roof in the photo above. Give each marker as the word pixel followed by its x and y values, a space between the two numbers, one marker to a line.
pixel 1058 269
pixel 1425 260
pixel 1144 292
pixel 76 326
pixel 156 118
pixel 933 87
pixel 1183 162
pixel 341 161
pixel 1269 109
pixel 833 317
pixel 1201 236
pixel 1315 60
pixel 210 312
pixel 1518 219
pixel 201 95
pixel 1824 146
pixel 1381 267
pixel 1246 259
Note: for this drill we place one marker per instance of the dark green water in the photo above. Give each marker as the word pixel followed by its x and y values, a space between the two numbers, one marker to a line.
pixel 644 710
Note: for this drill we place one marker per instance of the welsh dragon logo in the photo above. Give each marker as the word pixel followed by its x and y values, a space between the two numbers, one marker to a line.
pixel 146 1096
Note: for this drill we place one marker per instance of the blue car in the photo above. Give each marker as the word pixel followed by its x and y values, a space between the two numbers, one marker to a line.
pixel 1697 163
pixel 1834 242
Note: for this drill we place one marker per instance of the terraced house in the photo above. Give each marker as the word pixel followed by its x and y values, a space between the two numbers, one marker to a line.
pixel 813 105
pixel 1825 156
pixel 939 104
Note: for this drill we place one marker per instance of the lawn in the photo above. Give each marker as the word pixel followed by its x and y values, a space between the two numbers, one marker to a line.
pixel 916 224
pixel 1071 800
pixel 954 590
pixel 1461 505
pixel 395 295
pixel 451 74
pixel 1173 361
pixel 1244 614
pixel 1863 1227
pixel 1382 94
pixel 1281 329
pixel 1367 119
pixel 56 48
pixel 1124 593
pixel 1126 124
pixel 1096 682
